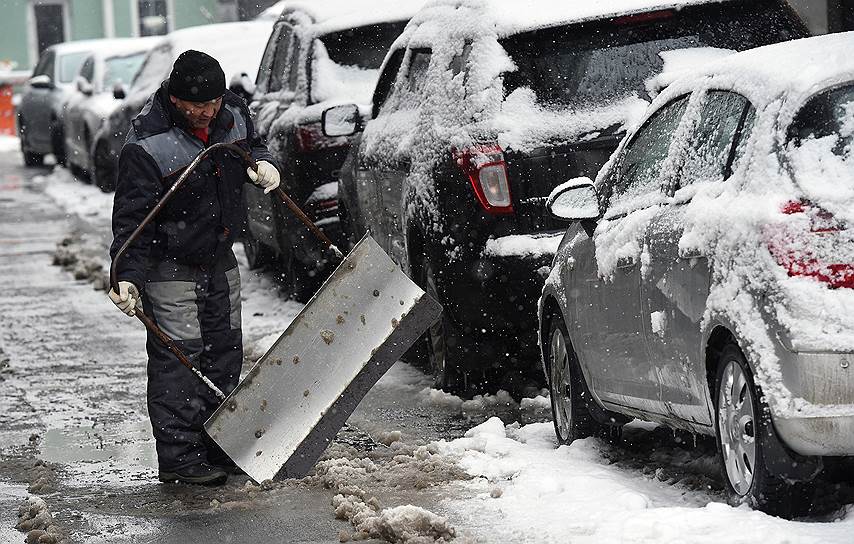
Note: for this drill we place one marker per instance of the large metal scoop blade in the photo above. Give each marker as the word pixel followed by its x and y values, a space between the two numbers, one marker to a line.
pixel 292 403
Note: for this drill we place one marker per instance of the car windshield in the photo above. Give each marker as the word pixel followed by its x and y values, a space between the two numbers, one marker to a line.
pixel 69 65
pixel 154 70
pixel 821 139
pixel 346 63
pixel 594 64
pixel 121 69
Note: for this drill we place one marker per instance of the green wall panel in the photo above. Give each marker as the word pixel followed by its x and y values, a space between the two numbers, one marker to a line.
pixel 122 18
pixel 13 33
pixel 193 12
pixel 87 19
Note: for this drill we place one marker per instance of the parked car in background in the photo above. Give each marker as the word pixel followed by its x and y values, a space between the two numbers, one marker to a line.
pixel 319 54
pixel 238 48
pixel 41 110
pixel 707 280
pixel 472 125
pixel 100 85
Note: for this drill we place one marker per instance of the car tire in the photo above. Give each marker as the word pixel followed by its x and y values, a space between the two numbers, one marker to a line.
pixel 443 342
pixel 571 416
pixel 58 143
pixel 744 430
pixel 103 168
pixel 33 159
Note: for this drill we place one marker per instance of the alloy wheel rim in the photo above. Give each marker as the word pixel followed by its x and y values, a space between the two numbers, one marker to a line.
pixel 737 427
pixel 560 383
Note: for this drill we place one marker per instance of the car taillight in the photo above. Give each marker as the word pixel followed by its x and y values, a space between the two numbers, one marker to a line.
pixel 311 138
pixel 818 251
pixel 485 167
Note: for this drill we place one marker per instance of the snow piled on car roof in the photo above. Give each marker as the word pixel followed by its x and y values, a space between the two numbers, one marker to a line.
pixel 334 15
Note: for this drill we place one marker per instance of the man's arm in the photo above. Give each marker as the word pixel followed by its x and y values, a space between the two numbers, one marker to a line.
pixel 138 190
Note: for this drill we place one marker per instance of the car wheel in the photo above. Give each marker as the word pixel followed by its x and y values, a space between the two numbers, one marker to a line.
pixel 744 431
pixel 258 255
pixel 103 168
pixel 58 143
pixel 33 159
pixel 443 342
pixel 571 417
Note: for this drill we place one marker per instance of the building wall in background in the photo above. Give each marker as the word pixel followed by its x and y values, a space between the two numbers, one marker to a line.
pixel 194 13
pixel 86 18
pixel 13 34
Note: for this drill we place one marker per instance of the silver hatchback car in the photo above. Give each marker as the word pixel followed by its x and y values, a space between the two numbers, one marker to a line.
pixel 707 280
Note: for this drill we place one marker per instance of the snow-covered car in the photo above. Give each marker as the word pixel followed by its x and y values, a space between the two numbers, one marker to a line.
pixel 320 54
pixel 41 110
pixel 238 48
pixel 707 282
pixel 100 85
pixel 482 108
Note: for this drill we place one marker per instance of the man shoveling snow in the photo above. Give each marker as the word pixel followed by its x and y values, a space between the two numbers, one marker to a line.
pixel 181 267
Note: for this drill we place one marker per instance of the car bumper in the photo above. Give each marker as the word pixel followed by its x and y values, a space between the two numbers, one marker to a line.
pixel 497 297
pixel 821 420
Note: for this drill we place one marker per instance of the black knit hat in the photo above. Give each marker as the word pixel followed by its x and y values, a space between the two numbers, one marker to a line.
pixel 196 77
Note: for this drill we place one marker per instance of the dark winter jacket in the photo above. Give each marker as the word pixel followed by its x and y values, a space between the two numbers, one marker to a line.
pixel 206 214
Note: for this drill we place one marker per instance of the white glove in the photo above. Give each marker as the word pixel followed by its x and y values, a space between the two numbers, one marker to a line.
pixel 266 177
pixel 127 298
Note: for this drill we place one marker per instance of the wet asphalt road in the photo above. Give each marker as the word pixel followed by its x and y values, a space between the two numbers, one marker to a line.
pixel 73 423
pixel 74 397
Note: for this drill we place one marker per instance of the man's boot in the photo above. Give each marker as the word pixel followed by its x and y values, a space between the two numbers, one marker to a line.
pixel 200 474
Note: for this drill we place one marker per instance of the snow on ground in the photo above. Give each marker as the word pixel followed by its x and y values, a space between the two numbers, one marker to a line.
pixel 527 489
pixel 75 197
pixel 9 143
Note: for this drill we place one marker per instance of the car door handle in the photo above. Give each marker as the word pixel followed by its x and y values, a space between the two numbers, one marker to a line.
pixel 626 262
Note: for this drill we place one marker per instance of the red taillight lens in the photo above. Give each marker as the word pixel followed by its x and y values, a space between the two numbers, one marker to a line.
pixel 485 167
pixel 813 252
pixel 311 138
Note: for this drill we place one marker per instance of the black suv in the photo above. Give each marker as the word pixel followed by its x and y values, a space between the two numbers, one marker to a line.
pixel 317 55
pixel 470 132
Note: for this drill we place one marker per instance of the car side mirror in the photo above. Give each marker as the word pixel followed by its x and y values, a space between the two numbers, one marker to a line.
pixel 42 81
pixel 119 91
pixel 575 200
pixel 84 86
pixel 343 120
pixel 242 85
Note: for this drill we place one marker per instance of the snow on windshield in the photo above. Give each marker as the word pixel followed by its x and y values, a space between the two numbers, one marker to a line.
pixel 346 63
pixel 121 69
pixel 331 80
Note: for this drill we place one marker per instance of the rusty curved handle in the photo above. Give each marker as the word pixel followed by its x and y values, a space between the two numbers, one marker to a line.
pixel 114 283
pixel 166 197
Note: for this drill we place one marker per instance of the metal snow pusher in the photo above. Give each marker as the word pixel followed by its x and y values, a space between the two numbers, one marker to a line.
pixel 294 400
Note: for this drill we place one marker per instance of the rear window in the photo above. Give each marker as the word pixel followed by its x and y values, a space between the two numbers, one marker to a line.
pixel 821 140
pixel 346 64
pixel 593 64
pixel 364 47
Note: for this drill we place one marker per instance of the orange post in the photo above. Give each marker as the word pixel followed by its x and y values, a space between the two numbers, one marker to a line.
pixel 7 111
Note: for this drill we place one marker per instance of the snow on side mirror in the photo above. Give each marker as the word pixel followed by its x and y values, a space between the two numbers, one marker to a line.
pixel 242 85
pixel 574 200
pixel 119 91
pixel 341 120
pixel 41 82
